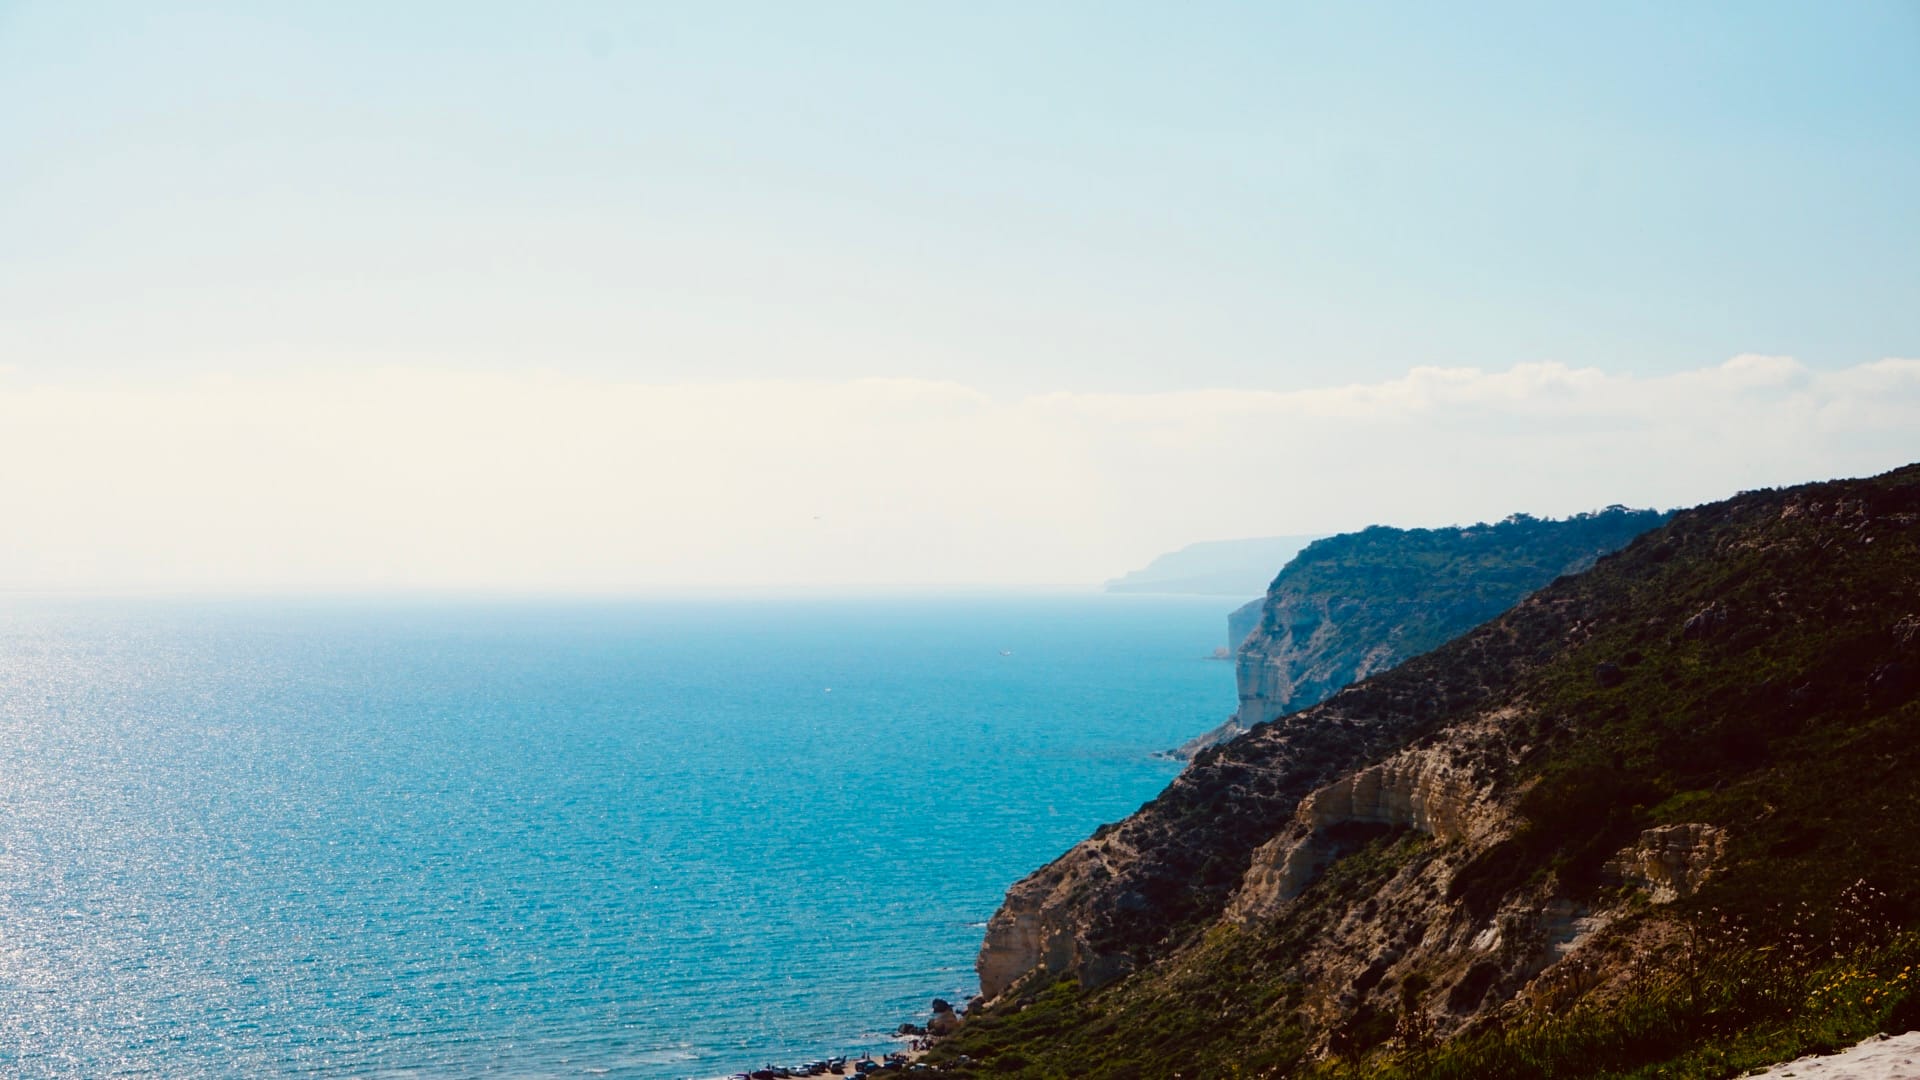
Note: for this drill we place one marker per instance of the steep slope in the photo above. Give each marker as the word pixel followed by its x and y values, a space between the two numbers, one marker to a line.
pixel 1242 621
pixel 1354 605
pixel 1664 815
pixel 1410 589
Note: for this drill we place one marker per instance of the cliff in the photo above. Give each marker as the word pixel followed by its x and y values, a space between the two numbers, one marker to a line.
pixel 1662 815
pixel 1354 605
pixel 1242 621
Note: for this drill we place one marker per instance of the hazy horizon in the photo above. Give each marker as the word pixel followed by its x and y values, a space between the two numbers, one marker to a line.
pixel 591 298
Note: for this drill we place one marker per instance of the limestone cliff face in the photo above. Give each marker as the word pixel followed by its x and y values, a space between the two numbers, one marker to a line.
pixel 1459 817
pixel 1424 790
pixel 1036 929
pixel 1352 606
pixel 1117 897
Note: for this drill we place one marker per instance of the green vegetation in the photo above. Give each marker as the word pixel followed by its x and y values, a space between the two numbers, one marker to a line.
pixel 1754 666
pixel 1411 590
pixel 1225 1008
pixel 1352 605
pixel 1721 1005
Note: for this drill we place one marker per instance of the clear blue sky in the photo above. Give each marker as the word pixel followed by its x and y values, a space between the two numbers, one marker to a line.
pixel 597 294
pixel 1018 196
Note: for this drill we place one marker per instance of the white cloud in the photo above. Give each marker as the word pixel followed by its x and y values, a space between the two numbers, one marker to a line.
pixel 401 476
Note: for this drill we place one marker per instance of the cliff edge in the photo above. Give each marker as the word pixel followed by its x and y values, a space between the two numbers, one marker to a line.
pixel 1354 605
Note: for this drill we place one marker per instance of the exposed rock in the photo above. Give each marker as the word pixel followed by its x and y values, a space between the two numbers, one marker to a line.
pixel 1419 789
pixel 1669 862
pixel 1120 891
pixel 945 1021
pixel 1608 673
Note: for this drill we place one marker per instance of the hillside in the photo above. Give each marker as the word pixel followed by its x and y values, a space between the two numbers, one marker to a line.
pixel 1354 605
pixel 1660 816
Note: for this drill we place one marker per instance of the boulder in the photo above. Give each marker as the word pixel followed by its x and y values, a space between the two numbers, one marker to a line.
pixel 944 1023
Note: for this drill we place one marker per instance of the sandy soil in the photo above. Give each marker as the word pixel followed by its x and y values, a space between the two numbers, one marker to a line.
pixel 1883 1057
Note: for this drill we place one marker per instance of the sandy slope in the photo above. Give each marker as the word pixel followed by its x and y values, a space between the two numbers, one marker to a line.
pixel 1883 1057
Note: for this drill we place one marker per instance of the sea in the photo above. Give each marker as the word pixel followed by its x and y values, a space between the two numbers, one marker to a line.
pixel 647 837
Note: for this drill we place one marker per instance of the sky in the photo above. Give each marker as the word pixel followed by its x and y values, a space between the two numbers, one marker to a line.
pixel 585 296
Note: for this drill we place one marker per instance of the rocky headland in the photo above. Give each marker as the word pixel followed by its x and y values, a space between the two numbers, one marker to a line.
pixel 1662 814
pixel 1354 605
pixel 1357 604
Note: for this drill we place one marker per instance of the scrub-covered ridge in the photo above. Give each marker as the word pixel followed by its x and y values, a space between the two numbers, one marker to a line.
pixel 1659 817
pixel 1357 604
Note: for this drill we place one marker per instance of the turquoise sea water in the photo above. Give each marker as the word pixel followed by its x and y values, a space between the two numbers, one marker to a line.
pixel 643 838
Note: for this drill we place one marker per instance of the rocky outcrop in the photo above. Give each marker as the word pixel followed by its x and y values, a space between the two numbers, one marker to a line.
pixel 1126 892
pixel 1423 790
pixel 1669 862
pixel 944 1020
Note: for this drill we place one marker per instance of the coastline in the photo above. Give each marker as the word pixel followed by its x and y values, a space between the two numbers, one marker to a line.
pixel 919 1039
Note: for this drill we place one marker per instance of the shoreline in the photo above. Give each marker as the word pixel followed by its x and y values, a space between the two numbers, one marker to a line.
pixel 917 1037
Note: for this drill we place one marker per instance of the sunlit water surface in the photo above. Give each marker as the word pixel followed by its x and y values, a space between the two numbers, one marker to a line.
pixel 647 838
